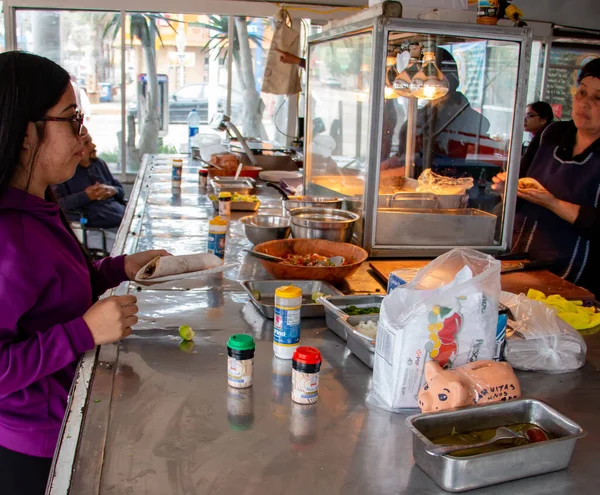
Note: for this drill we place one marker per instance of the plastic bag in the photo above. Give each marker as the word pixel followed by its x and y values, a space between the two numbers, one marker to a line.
pixel 448 312
pixel 280 78
pixel 538 340
pixel 431 182
pixel 209 145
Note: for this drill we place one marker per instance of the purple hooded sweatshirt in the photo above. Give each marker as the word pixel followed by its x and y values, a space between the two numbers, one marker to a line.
pixel 45 290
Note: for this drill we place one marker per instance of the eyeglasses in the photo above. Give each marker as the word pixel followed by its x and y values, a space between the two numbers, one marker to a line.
pixel 76 121
pixel 531 115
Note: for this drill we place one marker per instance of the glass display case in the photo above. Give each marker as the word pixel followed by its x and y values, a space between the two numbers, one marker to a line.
pixel 408 121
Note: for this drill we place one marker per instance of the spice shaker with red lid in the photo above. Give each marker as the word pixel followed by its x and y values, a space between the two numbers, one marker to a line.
pixel 306 364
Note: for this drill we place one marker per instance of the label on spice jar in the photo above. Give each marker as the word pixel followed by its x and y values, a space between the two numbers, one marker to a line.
pixel 287 325
pixel 216 243
pixel 224 208
pixel 305 387
pixel 239 372
pixel 177 171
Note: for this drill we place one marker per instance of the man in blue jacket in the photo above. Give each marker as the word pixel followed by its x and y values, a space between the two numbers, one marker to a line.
pixel 92 192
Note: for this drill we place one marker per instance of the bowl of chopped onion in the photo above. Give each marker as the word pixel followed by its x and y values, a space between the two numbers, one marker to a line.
pixel 308 259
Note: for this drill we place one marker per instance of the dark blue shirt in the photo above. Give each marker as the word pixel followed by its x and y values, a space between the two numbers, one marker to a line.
pixel 575 179
pixel 74 201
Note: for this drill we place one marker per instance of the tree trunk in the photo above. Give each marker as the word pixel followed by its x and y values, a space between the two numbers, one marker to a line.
pixel 97 56
pixel 252 102
pixel 238 68
pixel 149 115
pixel 45 28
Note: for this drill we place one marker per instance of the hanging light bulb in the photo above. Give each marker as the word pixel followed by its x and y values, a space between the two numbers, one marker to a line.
pixel 429 83
pixel 402 82
pixel 390 75
pixel 389 93
pixel 409 61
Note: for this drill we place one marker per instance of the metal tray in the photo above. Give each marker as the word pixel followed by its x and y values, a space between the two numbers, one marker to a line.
pixel 457 474
pixel 452 201
pixel 240 205
pixel 413 200
pixel 229 184
pixel 358 344
pixel 342 302
pixel 267 291
pixel 413 227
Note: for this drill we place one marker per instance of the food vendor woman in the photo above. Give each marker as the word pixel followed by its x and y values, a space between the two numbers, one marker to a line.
pixel 558 219
pixel 49 309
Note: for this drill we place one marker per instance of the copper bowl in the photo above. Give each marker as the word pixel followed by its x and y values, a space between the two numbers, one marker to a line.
pixel 353 255
pixel 247 171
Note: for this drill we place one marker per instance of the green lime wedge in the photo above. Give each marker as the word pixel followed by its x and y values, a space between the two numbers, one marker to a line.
pixel 186 332
pixel 316 295
pixel 255 294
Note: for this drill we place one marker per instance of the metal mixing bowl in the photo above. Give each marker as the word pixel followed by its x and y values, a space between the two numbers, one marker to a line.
pixel 263 228
pixel 310 201
pixel 323 223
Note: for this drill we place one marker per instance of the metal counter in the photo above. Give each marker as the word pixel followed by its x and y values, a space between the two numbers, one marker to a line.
pixel 148 417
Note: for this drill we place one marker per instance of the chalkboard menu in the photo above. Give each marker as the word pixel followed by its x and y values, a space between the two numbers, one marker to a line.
pixel 561 79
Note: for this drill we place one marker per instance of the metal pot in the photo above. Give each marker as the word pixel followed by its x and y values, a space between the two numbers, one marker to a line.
pixel 323 223
pixel 311 201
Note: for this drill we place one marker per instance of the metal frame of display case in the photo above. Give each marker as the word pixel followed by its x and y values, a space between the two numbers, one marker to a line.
pixel 380 27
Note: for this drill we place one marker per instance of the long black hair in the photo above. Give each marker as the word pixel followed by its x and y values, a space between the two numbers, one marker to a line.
pixel 30 86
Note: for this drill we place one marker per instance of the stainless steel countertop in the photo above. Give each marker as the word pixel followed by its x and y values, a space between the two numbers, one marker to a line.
pixel 162 420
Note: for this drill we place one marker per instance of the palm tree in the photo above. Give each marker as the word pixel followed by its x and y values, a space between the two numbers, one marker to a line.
pixel 219 45
pixel 143 26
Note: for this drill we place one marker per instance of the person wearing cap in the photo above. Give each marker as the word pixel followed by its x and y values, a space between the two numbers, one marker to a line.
pixel 558 219
pixel 454 124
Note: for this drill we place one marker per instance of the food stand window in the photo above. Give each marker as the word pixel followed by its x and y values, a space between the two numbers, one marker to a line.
pixel 409 121
pixel 338 109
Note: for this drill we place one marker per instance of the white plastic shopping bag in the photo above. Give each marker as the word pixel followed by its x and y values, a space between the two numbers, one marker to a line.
pixel 448 312
pixel 538 340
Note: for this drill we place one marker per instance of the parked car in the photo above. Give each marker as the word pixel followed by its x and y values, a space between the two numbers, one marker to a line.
pixel 185 99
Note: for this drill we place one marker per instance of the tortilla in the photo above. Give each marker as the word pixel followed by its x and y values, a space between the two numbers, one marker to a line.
pixel 527 183
pixel 167 266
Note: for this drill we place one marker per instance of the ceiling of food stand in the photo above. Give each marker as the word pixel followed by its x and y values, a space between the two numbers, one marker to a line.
pixel 582 13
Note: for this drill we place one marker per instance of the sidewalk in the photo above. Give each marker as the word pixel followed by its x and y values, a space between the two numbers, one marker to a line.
pixel 110 108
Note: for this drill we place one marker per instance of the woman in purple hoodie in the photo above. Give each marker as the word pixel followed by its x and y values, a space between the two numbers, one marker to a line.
pixel 49 309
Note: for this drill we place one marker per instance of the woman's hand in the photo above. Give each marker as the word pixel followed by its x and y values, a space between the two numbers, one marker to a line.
pixel 542 197
pixel 288 58
pixel 111 319
pixel 135 262
pixel 531 190
pixel 539 196
pixel 499 182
